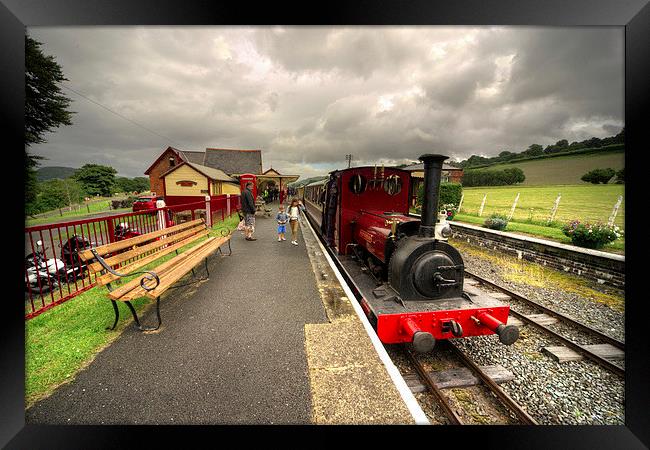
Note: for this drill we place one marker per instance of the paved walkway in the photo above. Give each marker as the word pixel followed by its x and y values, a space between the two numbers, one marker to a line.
pixel 230 350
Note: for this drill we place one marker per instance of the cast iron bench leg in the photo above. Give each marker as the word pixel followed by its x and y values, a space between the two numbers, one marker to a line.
pixel 117 315
pixel 137 321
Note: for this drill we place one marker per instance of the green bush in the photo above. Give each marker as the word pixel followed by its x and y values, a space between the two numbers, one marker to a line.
pixel 496 221
pixel 591 235
pixel 599 176
pixel 450 194
pixel 503 177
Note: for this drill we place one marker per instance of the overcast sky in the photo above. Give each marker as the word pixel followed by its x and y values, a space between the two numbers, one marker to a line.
pixel 307 96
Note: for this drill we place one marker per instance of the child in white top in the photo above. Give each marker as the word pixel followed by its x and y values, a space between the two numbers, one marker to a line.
pixel 294 211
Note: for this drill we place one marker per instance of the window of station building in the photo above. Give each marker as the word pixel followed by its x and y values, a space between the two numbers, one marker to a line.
pixel 393 185
pixel 357 184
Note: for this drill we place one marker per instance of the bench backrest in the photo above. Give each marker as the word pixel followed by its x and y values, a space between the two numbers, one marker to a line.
pixel 143 249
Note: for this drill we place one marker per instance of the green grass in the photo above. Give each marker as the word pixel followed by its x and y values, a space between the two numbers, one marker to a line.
pixel 587 202
pixel 564 169
pixel 94 208
pixel 65 339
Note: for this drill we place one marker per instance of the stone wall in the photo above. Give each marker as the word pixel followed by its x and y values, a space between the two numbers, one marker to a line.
pixel 605 268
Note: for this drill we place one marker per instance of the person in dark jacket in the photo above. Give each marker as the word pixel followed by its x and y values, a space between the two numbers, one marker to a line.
pixel 248 207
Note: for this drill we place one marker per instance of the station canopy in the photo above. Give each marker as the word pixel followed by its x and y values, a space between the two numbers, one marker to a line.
pixel 277 178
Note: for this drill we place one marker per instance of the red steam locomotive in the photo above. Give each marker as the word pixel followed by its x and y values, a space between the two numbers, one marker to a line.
pixel 408 278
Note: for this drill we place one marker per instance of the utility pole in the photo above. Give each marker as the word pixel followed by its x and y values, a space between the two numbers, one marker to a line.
pixel 348 158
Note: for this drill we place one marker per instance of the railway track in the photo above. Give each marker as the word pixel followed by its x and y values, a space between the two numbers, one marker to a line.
pixel 581 349
pixel 454 418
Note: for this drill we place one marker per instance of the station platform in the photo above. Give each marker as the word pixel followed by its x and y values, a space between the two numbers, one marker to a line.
pixel 261 342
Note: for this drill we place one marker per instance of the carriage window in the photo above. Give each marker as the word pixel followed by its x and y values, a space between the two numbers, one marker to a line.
pixel 357 184
pixel 393 185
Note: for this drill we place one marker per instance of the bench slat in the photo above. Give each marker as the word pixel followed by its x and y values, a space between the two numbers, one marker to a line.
pixel 160 270
pixel 177 270
pixel 126 243
pixel 174 275
pixel 125 256
pixel 109 277
pixel 172 272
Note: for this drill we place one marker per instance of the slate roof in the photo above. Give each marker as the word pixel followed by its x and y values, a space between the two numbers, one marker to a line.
pixel 193 157
pixel 210 172
pixel 234 161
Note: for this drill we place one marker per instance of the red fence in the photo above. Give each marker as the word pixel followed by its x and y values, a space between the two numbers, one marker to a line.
pixel 52 271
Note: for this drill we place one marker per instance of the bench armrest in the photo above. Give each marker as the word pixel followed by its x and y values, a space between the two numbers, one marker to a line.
pixel 149 275
pixel 223 231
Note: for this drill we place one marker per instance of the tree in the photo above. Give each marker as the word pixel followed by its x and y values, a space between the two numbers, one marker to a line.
pixel 45 107
pixel 534 150
pixel 97 179
pixel 56 193
pixel 598 176
pixel 141 184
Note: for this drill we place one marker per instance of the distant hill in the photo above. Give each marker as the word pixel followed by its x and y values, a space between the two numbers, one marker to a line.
pixel 48 173
pixel 565 169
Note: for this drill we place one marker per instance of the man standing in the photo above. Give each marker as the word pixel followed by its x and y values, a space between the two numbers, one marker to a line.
pixel 248 207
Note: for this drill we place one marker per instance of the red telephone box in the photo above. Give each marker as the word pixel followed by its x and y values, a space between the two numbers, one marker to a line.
pixel 245 178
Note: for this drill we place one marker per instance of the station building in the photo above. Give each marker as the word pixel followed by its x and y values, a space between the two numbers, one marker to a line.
pixel 188 176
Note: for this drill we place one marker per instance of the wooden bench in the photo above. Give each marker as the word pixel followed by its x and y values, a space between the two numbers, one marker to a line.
pixel 142 250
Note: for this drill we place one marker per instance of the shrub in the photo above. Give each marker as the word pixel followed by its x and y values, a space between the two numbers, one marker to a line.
pixel 503 177
pixel 496 221
pixel 591 235
pixel 126 203
pixel 598 176
pixel 450 193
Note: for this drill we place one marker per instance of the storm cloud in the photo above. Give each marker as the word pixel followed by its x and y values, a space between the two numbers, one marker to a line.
pixel 307 96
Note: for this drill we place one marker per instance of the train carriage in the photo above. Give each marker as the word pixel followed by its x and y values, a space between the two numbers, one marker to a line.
pixel 408 277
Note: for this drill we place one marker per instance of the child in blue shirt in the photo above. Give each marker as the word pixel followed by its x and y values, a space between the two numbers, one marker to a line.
pixel 282 218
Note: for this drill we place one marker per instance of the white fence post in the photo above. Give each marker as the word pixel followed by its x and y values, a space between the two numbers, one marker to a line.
pixel 612 217
pixel 514 205
pixel 208 216
pixel 480 211
pixel 554 210
pixel 162 223
pixel 460 203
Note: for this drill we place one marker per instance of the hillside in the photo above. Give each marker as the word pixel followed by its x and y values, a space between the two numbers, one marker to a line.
pixel 564 169
pixel 48 173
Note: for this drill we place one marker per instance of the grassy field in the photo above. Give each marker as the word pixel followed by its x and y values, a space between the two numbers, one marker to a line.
pixel 65 339
pixel 587 202
pixel 96 207
pixel 564 169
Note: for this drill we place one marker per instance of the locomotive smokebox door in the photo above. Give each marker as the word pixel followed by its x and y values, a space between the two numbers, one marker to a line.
pixel 426 269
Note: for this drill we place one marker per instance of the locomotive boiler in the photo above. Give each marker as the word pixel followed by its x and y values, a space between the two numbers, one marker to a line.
pixel 408 278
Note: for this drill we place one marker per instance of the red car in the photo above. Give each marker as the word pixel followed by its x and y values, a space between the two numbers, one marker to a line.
pixel 146 202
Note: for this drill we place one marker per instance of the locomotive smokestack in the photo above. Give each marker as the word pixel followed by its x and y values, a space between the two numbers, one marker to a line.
pixel 432 175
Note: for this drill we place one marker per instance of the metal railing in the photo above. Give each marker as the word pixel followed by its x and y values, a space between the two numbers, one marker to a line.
pixel 52 271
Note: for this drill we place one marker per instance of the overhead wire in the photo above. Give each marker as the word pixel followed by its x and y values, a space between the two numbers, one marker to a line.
pixel 119 115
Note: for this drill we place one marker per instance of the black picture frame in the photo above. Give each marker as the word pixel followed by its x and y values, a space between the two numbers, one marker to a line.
pixel 634 15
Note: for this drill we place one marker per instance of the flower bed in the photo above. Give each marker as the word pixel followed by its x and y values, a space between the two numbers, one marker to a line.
pixel 591 235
